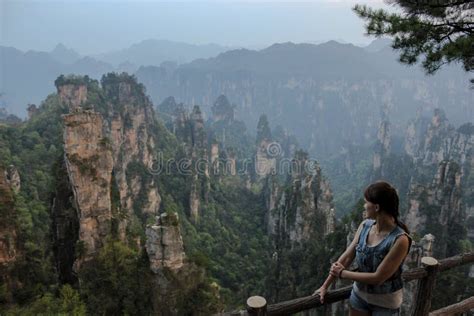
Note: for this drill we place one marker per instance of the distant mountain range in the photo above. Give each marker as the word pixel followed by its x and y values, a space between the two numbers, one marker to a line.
pixel 330 96
pixel 324 60
pixel 153 52
pixel 27 77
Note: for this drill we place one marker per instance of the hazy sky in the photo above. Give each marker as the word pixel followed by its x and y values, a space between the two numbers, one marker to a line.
pixel 98 26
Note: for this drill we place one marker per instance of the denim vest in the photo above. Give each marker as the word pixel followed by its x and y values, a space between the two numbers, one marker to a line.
pixel 369 258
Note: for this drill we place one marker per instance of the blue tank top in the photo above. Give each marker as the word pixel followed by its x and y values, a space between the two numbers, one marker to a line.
pixel 368 258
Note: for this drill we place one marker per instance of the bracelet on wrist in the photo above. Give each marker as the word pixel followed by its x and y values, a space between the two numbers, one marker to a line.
pixel 340 274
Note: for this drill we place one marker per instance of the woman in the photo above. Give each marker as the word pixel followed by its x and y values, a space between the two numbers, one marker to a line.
pixel 380 246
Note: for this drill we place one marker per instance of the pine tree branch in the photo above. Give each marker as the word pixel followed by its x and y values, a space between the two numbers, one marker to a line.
pixel 440 30
pixel 430 4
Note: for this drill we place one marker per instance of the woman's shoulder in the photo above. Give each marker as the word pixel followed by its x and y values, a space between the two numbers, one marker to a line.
pixel 401 237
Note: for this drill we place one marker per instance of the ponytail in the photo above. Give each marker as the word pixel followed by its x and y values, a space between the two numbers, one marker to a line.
pixel 402 225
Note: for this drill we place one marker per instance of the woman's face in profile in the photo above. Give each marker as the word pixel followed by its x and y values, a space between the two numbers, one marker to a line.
pixel 369 208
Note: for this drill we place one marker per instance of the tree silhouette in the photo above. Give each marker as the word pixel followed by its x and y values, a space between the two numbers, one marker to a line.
pixel 440 30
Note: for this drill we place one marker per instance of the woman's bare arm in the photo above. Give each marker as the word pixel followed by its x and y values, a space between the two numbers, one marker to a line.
pixel 347 256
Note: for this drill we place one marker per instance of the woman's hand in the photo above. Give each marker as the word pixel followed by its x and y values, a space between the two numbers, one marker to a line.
pixel 322 292
pixel 336 269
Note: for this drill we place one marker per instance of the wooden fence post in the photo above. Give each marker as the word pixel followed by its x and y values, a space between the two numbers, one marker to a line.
pixel 257 306
pixel 425 287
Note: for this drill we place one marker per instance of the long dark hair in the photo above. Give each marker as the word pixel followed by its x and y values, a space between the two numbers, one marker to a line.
pixel 383 194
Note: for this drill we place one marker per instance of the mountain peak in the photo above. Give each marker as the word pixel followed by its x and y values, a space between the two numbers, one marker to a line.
pixel 60 47
pixel 152 52
pixel 64 55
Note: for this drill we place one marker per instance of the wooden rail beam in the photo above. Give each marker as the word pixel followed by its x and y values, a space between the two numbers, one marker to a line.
pixel 460 307
pixel 308 302
pixel 452 262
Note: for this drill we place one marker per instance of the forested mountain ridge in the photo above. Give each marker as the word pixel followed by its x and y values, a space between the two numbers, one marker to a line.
pixel 330 96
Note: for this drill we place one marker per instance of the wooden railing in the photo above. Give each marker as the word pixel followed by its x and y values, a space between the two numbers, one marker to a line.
pixel 426 275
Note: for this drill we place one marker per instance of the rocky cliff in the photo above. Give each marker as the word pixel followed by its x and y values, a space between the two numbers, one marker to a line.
pixel 164 243
pixel 108 151
pixel 73 94
pixel 89 164
pixel 132 134
pixel 195 161
pixel 303 206
pixel 222 110
pixel 299 215
pixel 66 222
pixel 267 150
pixel 440 195
pixel 382 148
